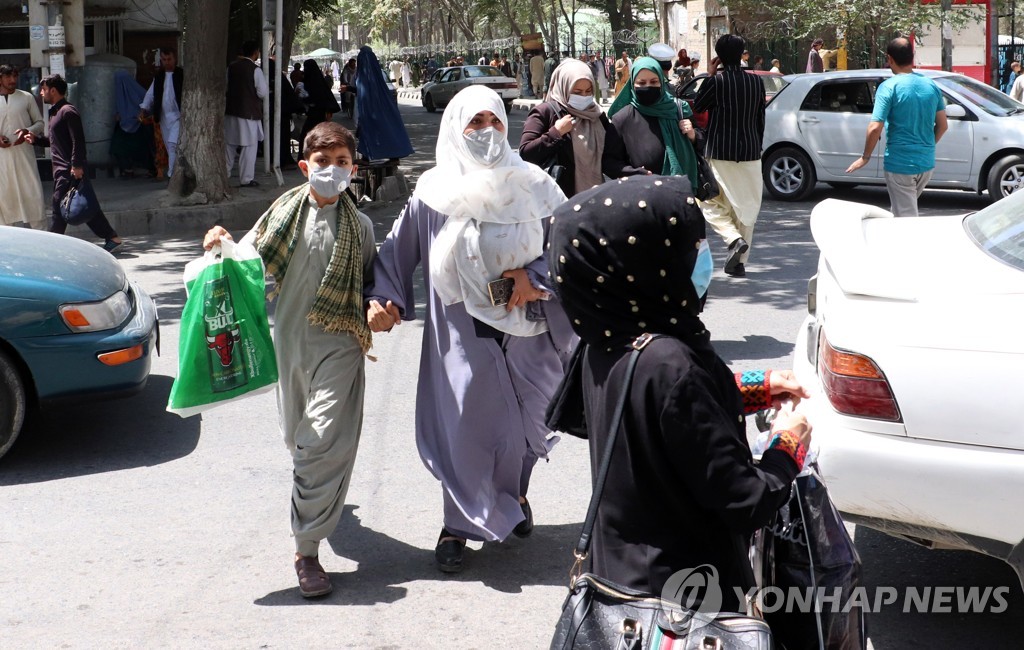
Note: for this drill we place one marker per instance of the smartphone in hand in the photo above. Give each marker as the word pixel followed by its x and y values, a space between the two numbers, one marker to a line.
pixel 500 291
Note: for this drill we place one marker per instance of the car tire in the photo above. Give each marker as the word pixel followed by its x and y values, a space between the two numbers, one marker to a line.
pixel 12 402
pixel 508 107
pixel 428 103
pixel 843 186
pixel 1005 177
pixel 788 174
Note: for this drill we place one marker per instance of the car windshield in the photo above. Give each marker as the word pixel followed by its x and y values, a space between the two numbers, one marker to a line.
pixel 999 229
pixel 984 97
pixel 482 71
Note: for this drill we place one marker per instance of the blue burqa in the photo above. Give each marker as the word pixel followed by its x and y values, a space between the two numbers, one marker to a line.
pixel 381 129
pixel 128 95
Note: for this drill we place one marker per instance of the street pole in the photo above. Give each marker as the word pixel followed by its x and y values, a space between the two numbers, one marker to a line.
pixel 947 37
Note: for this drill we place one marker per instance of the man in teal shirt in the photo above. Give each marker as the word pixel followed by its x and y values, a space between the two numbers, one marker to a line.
pixel 913 111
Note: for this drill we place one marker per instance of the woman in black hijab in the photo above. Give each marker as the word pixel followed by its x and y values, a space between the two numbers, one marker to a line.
pixel 321 102
pixel 629 257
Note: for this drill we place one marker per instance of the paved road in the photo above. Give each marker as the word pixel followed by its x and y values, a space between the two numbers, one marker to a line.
pixel 124 526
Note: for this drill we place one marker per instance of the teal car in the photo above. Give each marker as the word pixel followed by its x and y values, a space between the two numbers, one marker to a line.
pixel 71 326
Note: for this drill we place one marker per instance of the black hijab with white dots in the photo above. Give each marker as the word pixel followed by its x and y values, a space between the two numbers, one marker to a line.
pixel 621 257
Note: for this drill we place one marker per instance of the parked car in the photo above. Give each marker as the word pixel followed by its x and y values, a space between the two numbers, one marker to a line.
pixel 773 83
pixel 71 326
pixel 816 127
pixel 913 351
pixel 446 82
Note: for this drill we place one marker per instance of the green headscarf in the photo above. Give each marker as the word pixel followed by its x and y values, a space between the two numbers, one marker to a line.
pixel 679 156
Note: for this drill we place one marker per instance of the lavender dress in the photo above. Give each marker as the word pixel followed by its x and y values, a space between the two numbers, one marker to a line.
pixel 480 401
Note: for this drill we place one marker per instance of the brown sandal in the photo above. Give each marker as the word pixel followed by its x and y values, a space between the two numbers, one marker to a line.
pixel 313 580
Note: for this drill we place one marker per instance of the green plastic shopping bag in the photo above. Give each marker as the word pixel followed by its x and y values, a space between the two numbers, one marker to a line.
pixel 225 351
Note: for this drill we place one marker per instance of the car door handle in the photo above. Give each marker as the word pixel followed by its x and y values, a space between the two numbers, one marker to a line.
pixel 810 120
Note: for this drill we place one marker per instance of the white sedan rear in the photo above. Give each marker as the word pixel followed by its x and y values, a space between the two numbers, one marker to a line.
pixel 914 348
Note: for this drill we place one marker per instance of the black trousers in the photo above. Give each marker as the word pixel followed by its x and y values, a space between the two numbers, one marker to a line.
pixel 98 224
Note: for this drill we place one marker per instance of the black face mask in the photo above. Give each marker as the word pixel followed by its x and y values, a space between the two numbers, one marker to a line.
pixel 647 95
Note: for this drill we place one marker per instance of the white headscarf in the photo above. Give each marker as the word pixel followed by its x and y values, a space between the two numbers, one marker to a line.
pixel 494 215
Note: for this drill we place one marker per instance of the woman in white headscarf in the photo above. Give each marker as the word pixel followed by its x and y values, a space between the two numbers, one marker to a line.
pixel 486 372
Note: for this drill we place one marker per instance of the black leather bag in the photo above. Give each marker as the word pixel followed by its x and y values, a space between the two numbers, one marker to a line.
pixel 707 187
pixel 600 615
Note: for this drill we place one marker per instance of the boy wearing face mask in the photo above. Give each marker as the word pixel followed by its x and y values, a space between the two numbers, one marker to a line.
pixel 320 250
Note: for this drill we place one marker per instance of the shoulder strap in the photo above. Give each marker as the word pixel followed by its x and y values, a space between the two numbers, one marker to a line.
pixel 583 545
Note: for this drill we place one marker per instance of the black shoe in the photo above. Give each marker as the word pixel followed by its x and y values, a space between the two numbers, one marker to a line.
pixel 738 271
pixel 448 553
pixel 524 528
pixel 736 251
pixel 251 184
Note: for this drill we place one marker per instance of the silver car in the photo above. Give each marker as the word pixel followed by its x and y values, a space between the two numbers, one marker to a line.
pixel 446 82
pixel 815 127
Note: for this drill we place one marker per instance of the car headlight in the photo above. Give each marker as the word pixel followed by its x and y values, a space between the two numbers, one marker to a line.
pixel 95 316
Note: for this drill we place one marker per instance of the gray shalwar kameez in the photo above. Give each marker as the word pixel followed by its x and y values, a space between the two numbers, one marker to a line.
pixel 480 400
pixel 321 382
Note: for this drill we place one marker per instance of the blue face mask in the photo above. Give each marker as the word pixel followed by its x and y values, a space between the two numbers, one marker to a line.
pixel 702 269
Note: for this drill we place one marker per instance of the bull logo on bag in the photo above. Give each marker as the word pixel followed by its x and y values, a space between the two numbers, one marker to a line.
pixel 223 337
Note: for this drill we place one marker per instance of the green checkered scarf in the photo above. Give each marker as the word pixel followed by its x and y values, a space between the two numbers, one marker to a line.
pixel 338 306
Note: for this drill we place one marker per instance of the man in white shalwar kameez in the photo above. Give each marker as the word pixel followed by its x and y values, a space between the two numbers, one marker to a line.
pixel 21 192
pixel 243 117
pixel 163 102
pixel 321 252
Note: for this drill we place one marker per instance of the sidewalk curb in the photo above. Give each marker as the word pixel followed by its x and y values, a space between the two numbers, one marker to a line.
pixel 182 220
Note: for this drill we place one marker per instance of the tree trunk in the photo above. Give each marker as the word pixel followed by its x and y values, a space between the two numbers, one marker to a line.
pixel 201 169
pixel 288 27
pixel 510 15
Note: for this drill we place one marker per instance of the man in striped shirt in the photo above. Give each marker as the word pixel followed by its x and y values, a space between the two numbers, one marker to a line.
pixel 735 104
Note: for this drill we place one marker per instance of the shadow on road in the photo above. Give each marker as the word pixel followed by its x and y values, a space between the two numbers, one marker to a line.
pixel 542 559
pixel 101 436
pixel 890 562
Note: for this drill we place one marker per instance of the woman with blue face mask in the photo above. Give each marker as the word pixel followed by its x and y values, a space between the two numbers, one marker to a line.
pixel 487 368
pixel 630 258
pixel 656 130
pixel 569 132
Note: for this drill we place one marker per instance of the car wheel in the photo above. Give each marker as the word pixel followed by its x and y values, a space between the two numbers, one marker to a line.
pixel 842 186
pixel 12 403
pixel 1006 177
pixel 788 174
pixel 428 103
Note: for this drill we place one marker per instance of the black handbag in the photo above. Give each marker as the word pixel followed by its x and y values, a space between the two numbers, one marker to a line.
pixel 600 615
pixel 80 204
pixel 707 187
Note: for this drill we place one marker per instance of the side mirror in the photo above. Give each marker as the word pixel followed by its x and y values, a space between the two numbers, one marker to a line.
pixel 955 111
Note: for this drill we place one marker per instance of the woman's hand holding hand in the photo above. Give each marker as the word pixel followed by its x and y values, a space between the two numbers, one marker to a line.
pixel 214 236
pixel 782 385
pixel 796 423
pixel 382 319
pixel 524 290
pixel 564 124
pixel 686 126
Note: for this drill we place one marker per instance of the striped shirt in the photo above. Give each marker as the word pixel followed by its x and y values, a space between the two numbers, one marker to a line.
pixel 734 100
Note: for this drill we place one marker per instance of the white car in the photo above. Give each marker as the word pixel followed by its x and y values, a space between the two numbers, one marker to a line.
pixel 914 351
pixel 815 127
pixel 446 82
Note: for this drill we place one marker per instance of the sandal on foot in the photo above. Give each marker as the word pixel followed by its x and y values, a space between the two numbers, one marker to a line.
pixel 449 551
pixel 313 580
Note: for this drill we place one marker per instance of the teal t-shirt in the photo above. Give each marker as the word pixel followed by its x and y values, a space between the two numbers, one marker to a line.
pixel 907 103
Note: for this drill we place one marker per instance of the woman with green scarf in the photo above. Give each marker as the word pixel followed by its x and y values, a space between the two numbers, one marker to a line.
pixel 655 129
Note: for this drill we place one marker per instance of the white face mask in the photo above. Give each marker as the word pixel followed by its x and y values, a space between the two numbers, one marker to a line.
pixel 486 145
pixel 329 181
pixel 581 102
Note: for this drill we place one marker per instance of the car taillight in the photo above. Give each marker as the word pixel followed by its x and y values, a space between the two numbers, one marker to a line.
pixel 511 84
pixel 855 385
